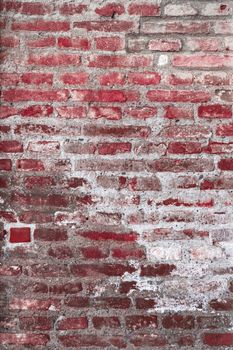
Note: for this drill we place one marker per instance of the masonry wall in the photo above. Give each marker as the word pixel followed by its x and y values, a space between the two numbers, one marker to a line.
pixel 116 175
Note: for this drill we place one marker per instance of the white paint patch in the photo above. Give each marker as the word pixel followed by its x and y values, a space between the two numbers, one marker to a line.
pixel 163 60
pixel 193 284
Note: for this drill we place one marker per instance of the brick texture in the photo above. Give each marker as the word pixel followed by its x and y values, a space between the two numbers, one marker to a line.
pixel 116 220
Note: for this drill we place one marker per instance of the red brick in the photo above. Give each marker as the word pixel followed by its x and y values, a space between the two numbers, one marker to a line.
pixel 215 111
pixel 110 10
pixel 222 304
pixel 213 322
pixel 93 253
pixel 110 165
pixel 79 340
pixel 6 112
pixel 226 164
pixel 111 113
pixel 6 215
pixel 80 148
pixel 9 79
pixel 2 23
pixel 67 288
pixel 43 42
pixel 80 78
pixel 72 9
pixel 142 113
pixel 177 202
pixel 126 287
pixel 32 216
pixel 151 183
pixel 37 78
pixel 225 130
pixel 46 270
pixel 54 59
pixel 177 27
pixel 203 61
pixel 100 322
pixel 52 200
pixel 27 8
pixel 114 148
pixel 61 252
pixel 73 43
pixel 225 95
pixel 184 147
pixel 11 147
pixel 20 234
pixel 113 78
pixel 218 148
pixel 39 181
pixel 140 321
pixel 186 340
pixel 27 339
pixel 34 304
pixel 178 96
pixel 181 165
pixel 178 321
pixel 71 112
pixel 3 182
pixel 157 270
pixel 35 95
pixel 9 41
pixel 174 112
pixel 218 339
pixel 77 302
pixel 186 132
pixel 35 323
pixel 114 131
pixel 204 44
pixel 5 164
pixel 109 43
pixel 44 146
pixel 180 79
pixel 30 165
pixel 123 61
pixel 127 253
pixel 90 270
pixel 40 25
pixel 152 340
pixel 5 129
pixel 112 303
pixel 217 78
pixel 37 111
pixel 48 235
pixel 165 45
pixel 212 183
pixel 144 9
pixel 72 323
pixel 98 95
pixel 145 78
pixel 102 236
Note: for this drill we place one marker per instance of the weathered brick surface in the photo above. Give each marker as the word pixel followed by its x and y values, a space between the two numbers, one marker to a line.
pixel 116 174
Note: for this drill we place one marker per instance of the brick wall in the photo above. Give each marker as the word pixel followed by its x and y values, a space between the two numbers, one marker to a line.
pixel 116 175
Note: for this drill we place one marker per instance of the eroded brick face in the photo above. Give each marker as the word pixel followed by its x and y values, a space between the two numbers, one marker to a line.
pixel 116 174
